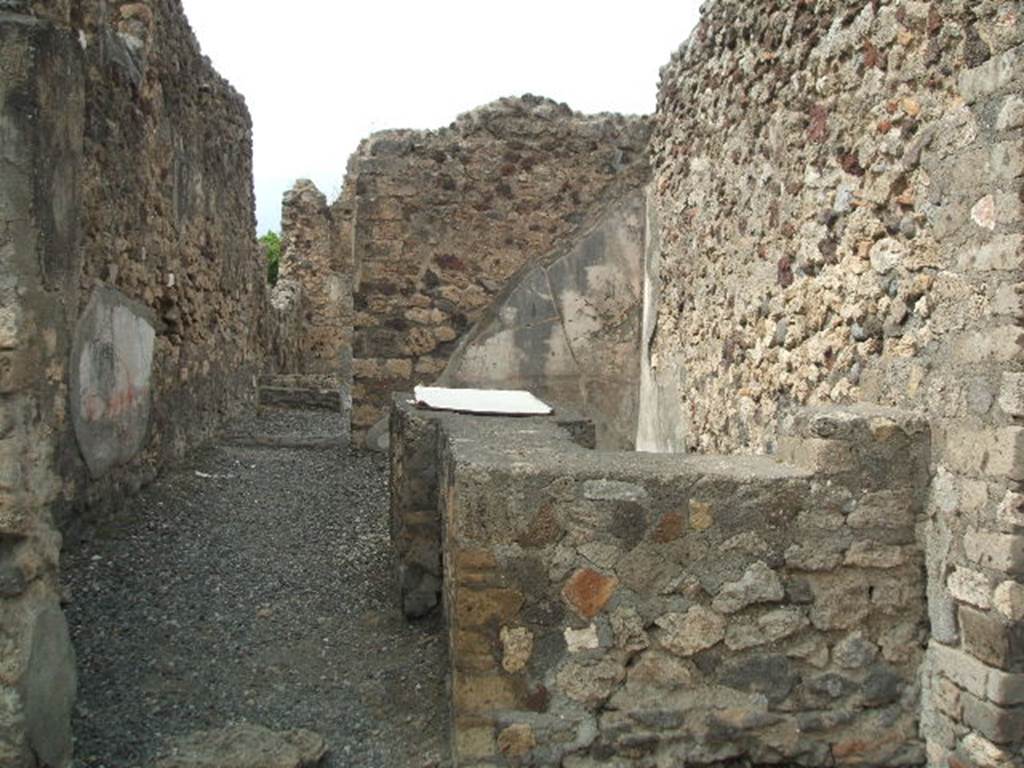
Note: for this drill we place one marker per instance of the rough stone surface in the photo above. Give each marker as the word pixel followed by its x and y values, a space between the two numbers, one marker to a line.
pixel 316 269
pixel 837 205
pixel 588 591
pixel 568 330
pixel 696 630
pixel 135 312
pixel 760 584
pixel 700 647
pixel 445 220
pixel 49 688
pixel 244 746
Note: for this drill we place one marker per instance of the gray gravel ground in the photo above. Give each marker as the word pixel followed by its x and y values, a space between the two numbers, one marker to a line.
pixel 254 585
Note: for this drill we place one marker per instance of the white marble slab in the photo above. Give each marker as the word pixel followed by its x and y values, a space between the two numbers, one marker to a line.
pixel 497 402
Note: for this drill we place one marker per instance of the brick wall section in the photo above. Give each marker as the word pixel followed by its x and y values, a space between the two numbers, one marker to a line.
pixel 443 219
pixel 838 191
pixel 645 609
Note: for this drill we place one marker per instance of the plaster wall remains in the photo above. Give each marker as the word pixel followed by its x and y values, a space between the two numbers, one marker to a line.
pixel 445 220
pixel 838 196
pixel 568 329
pixel 134 313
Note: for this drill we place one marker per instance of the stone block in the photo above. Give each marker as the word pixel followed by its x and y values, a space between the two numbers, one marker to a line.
pixel 981 753
pixel 869 554
pixel 516 741
pixel 1001 552
pixel 1006 689
pixel 613 490
pixel 1011 114
pixel 883 509
pixel 854 651
pixel 591 682
pixel 769 628
pixel 588 591
pixel 477 608
pixel 946 697
pixel 579 640
pixel 702 515
pixel 999 725
pixel 841 600
pixel 1004 253
pixel 628 630
pixel 686 634
pixel 1011 394
pixel 517 648
pixel 480 693
pixel 993 76
pixel 992 640
pixel 1007 161
pixel 770 676
pixel 759 584
pixel 474 742
pixel 823 456
pixel 971 587
pixel 1010 513
pixel 963 669
pixel 48 688
pixel 1001 344
pixel 1008 600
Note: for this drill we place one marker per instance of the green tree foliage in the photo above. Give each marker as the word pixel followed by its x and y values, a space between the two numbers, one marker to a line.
pixel 271 243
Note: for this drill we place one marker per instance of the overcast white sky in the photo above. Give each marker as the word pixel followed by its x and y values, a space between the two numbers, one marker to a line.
pixel 319 75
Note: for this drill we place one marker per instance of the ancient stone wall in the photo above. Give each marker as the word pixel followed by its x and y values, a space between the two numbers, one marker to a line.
pixel 134 313
pixel 42 104
pixel 316 260
pixel 568 330
pixel 638 609
pixel 444 220
pixel 168 221
pixel 838 195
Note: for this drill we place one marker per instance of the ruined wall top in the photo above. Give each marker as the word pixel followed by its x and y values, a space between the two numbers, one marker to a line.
pixel 445 219
pixel 529 115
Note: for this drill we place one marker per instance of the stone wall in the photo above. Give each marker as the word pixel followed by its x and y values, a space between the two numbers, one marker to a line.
pixel 42 99
pixel 636 609
pixel 444 220
pixel 167 221
pixel 316 262
pixel 838 197
pixel 134 313
pixel 568 330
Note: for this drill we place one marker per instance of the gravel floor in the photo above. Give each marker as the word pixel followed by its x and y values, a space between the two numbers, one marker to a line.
pixel 253 585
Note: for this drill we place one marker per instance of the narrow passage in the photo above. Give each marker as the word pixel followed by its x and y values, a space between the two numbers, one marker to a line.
pixel 253 585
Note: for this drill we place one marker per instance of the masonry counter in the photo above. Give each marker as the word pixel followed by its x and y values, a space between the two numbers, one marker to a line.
pixel 670 609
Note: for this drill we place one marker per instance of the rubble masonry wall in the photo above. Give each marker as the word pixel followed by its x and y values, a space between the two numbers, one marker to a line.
pixel 837 197
pixel 134 313
pixel 445 220
pixel 664 610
